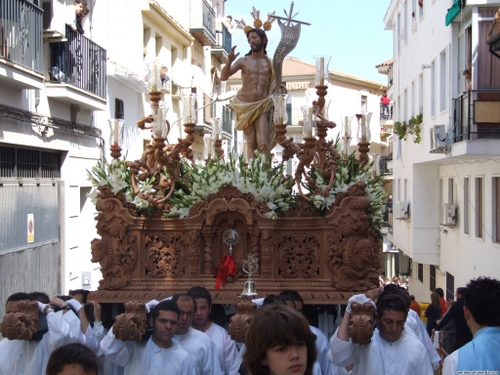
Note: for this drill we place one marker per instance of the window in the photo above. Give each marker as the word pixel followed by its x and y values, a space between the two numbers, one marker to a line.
pixel 398 36
pixel 440 196
pixel 399 190
pixel 479 207
pixel 29 163
pixel 421 272
pixel 433 88
pixel 405 105
pixel 405 189
pixel 450 286
pixel 364 103
pixel 466 205
pixel 413 98
pixel 119 109
pixel 420 9
pixel 432 278
pixel 405 21
pixel 496 203
pixel 442 81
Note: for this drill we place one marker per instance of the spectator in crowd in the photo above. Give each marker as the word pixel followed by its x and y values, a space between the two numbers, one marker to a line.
pixel 456 313
pixel 448 333
pixel 415 306
pixel 278 342
pixel 433 313
pixel 481 299
pixel 444 305
pixel 385 101
pixel 72 359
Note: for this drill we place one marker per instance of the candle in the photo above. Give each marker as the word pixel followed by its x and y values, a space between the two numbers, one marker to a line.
pixel 280 109
pixel 346 126
pixel 115 132
pixel 188 109
pixel 153 78
pixel 322 71
pixel 363 128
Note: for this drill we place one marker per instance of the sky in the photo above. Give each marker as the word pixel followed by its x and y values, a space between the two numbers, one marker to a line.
pixel 350 31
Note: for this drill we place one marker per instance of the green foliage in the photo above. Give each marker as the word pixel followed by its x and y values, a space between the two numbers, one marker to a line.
pixel 412 127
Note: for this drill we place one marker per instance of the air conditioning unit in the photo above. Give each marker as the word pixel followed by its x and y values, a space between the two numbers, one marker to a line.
pixel 438 139
pixel 403 210
pixel 448 215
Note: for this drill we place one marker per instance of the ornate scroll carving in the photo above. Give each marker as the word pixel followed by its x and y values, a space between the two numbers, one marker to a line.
pixel 193 243
pixel 23 324
pixel 298 255
pixel 266 246
pixel 164 255
pixel 131 325
pixel 361 323
pixel 245 311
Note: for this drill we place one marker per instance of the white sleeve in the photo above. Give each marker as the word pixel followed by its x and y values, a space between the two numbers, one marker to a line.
pixel 450 364
pixel 92 341
pixel 342 353
pixel 211 364
pixel 237 362
pixel 323 346
pixel 424 338
pixel 230 353
pixel 116 350
pixel 63 329
pixel 99 330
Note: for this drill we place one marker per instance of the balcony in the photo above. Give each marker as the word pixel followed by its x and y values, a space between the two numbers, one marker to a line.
pixel 21 57
pixel 224 43
pixel 477 123
pixel 384 164
pixel 78 72
pixel 202 25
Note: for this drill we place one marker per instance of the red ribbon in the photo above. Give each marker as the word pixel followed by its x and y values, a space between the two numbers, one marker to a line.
pixel 226 267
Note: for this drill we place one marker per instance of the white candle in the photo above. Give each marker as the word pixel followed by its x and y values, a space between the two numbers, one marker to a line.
pixel 153 78
pixel 115 132
pixel 188 109
pixel 280 109
pixel 322 71
pixel 363 128
pixel 346 126
pixel 308 123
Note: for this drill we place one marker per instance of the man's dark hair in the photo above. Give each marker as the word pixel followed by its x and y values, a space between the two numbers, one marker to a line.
pixel 461 290
pixel 291 295
pixel 394 289
pixel 412 297
pixel 20 296
pixel 263 38
pixel 183 296
pixel 83 292
pixel 72 354
pixel 273 298
pixel 393 302
pixel 200 292
pixel 165 306
pixel 40 297
pixel 482 298
pixel 439 292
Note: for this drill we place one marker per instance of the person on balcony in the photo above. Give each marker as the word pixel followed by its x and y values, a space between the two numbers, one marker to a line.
pixel 468 80
pixel 58 69
pixel 385 101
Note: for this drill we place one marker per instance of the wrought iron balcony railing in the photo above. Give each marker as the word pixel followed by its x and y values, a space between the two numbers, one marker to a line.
pixel 476 115
pixel 79 62
pixel 224 39
pixel 21 33
pixel 203 22
pixel 383 164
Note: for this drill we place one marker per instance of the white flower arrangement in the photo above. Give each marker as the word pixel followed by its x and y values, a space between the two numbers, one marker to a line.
pixel 266 184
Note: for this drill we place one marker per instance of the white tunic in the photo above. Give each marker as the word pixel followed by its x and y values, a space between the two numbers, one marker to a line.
pixel 450 364
pixel 404 356
pixel 322 366
pixel 139 358
pixel 238 361
pixel 225 346
pixel 414 324
pixel 31 357
pixel 202 351
pixel 106 367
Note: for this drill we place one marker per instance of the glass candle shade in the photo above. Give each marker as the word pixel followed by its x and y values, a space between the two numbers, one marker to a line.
pixel 321 78
pixel 189 101
pixel 116 132
pixel 216 128
pixel 364 134
pixel 309 114
pixel 160 121
pixel 280 113
pixel 154 76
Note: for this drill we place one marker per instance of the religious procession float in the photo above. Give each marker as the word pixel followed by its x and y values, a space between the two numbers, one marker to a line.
pixel 242 228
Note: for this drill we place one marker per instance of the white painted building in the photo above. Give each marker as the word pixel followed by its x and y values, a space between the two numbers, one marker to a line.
pixel 53 127
pixel 447 187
